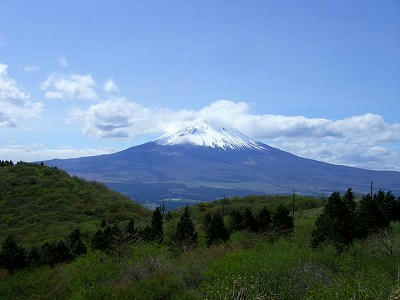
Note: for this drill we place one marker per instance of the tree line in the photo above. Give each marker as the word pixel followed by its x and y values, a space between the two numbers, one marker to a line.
pixel 343 220
pixel 6 163
pixel 14 256
pixel 109 237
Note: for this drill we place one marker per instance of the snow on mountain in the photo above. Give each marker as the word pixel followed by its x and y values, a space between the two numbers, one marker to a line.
pixel 202 134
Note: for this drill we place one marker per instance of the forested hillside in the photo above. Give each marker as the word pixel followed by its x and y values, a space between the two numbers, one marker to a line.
pixel 39 204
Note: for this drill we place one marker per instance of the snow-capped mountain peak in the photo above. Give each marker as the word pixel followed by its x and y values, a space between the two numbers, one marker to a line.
pixel 202 134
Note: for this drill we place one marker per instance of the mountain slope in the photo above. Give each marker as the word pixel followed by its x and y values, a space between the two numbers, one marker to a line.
pixel 204 163
pixel 38 203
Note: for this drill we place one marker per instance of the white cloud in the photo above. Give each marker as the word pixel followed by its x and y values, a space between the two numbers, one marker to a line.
pixel 110 87
pixel 74 86
pixel 31 69
pixel 62 60
pixel 358 140
pixel 37 152
pixel 15 104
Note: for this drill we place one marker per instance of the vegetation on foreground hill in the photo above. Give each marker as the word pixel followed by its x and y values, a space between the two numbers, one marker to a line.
pixel 39 204
pixel 254 253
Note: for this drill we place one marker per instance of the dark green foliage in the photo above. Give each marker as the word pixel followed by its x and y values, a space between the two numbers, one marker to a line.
pixel 334 225
pixel 348 200
pixel 131 231
pixel 216 231
pixel 34 258
pixel 264 220
pixel 63 252
pixel 103 239
pixel 281 220
pixel 207 220
pixel 250 222
pixel 75 245
pixel 146 233
pixel 396 210
pixel 54 253
pixel 12 256
pixel 186 234
pixel 387 206
pixel 157 225
pixel 370 217
pixel 237 220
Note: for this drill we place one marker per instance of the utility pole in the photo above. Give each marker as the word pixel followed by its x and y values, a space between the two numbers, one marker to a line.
pixel 223 207
pixel 163 208
pixel 371 188
pixel 294 195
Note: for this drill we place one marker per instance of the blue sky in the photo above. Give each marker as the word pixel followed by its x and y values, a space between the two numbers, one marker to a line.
pixel 320 79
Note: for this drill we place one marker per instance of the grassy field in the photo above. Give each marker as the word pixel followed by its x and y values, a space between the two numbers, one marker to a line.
pixel 39 204
pixel 248 266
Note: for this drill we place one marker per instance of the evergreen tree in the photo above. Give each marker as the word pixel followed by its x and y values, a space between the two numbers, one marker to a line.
pixel 348 200
pixel 237 220
pixel 131 231
pixel 34 258
pixel 249 221
pixel 264 220
pixel 281 220
pixel 48 254
pixel 62 253
pixel 396 210
pixel 207 221
pixel 12 256
pixel 334 225
pixel 157 225
pixel 216 231
pixel 185 231
pixel 370 217
pixel 387 206
pixel 99 241
pixel 75 245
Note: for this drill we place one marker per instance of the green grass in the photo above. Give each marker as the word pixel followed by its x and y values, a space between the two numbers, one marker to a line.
pixel 39 204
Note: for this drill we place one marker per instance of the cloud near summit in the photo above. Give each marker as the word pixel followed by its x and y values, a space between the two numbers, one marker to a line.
pixel 357 140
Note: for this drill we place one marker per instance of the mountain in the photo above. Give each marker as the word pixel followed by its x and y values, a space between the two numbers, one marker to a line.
pixel 201 162
pixel 39 204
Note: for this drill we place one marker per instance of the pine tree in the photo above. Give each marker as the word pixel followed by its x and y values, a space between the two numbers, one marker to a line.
pixel 75 245
pixel 157 225
pixel 34 258
pixel 216 231
pixel 334 225
pixel 249 221
pixel 186 234
pixel 62 252
pixel 48 254
pixel 237 220
pixel 207 221
pixel 387 206
pixel 264 220
pixel 131 231
pixel 282 222
pixel 348 200
pixel 12 256
pixel 99 241
pixel 370 217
